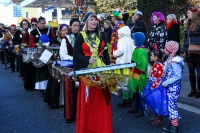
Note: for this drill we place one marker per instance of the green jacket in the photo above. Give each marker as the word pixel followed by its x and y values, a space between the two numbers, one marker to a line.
pixel 138 76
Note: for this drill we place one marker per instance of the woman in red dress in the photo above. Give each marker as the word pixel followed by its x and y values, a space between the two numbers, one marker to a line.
pixel 93 104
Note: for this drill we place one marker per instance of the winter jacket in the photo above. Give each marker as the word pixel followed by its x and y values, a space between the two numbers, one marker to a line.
pixel 139 26
pixel 174 70
pixel 158 36
pixel 125 46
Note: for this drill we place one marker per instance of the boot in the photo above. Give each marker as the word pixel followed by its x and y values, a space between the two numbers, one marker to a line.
pixel 198 91
pixel 23 79
pixel 193 86
pixel 172 129
pixel 157 122
pixel 125 104
pixel 42 93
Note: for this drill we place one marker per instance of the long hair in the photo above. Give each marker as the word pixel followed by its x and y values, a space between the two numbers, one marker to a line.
pixel 29 26
pixel 192 23
pixel 85 28
pixel 58 33
pixel 159 15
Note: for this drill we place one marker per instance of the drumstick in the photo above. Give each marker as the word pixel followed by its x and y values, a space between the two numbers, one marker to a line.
pixel 101 52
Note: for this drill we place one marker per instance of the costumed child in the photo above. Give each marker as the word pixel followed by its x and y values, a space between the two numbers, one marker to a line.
pixel 125 48
pixel 173 68
pixel 155 79
pixel 138 75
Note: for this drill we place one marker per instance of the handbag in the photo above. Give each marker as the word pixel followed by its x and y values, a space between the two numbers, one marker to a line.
pixel 157 99
pixel 193 48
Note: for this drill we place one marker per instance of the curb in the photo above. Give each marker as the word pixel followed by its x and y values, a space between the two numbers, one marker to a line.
pixel 189 102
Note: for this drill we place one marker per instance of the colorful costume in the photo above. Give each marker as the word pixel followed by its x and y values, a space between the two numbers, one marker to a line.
pixel 93 104
pixel 114 39
pixel 157 71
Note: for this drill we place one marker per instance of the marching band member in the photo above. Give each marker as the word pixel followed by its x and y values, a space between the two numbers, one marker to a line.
pixel 93 104
pixel 38 34
pixel 66 53
pixel 55 89
pixel 125 48
pixel 19 38
pixel 30 70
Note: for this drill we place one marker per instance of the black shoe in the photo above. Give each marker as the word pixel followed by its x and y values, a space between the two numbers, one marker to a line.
pixel 197 95
pixel 167 128
pixel 42 93
pixel 133 110
pixel 139 114
pixel 157 122
pixel 12 71
pixel 192 93
pixel 125 104
pixel 69 120
pixel 172 129
pixel 20 75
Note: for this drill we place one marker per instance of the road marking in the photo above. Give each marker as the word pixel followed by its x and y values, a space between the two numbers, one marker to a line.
pixel 189 108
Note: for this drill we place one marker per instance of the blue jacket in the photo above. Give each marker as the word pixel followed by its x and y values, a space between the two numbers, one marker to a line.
pixel 173 70
pixel 194 38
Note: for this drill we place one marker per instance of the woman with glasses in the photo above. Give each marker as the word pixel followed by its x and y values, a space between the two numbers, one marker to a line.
pixel 41 35
pixel 55 88
pixel 20 38
pixel 30 70
pixel 66 53
pixel 192 36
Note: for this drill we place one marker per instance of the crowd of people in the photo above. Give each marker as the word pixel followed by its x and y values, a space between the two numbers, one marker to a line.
pixel 90 46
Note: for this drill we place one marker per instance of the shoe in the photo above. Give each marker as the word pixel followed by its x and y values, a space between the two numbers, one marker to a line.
pixel 20 75
pixel 167 128
pixel 139 114
pixel 125 104
pixel 157 122
pixel 133 110
pixel 42 93
pixel 172 129
pixel 120 93
pixel 69 120
pixel 197 95
pixel 192 93
pixel 12 71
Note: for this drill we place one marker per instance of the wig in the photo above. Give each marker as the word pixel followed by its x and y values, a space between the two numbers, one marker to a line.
pixel 159 15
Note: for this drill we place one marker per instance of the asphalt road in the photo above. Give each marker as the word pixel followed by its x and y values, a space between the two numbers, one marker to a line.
pixel 25 112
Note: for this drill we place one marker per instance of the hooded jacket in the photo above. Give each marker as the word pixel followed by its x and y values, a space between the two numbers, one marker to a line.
pixel 125 46
pixel 173 70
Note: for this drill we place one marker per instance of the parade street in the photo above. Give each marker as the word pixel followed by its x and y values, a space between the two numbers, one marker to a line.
pixel 24 111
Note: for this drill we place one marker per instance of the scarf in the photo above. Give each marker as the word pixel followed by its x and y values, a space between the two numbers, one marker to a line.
pixel 170 23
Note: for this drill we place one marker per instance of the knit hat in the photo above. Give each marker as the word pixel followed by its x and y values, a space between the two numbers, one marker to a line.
pixel 139 38
pixel 73 20
pixel 116 14
pixel 172 47
pixel 33 20
pixel 87 15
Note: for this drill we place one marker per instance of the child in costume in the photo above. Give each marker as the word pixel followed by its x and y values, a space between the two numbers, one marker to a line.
pixel 138 75
pixel 125 48
pixel 173 71
pixel 155 79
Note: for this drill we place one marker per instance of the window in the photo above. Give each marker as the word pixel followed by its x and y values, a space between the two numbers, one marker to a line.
pixel 27 15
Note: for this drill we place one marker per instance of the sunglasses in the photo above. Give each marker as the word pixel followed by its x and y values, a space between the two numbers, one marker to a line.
pixel 34 24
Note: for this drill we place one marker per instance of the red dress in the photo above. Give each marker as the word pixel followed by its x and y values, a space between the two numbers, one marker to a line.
pixel 93 115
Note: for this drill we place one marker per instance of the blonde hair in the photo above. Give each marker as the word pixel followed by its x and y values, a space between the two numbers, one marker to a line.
pixel 58 33
pixel 85 28
pixel 194 22
pixel 172 17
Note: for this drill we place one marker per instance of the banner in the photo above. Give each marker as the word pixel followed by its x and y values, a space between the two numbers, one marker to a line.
pixel 17 11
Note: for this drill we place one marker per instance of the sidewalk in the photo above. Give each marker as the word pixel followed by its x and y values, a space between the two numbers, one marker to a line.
pixel 185 90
